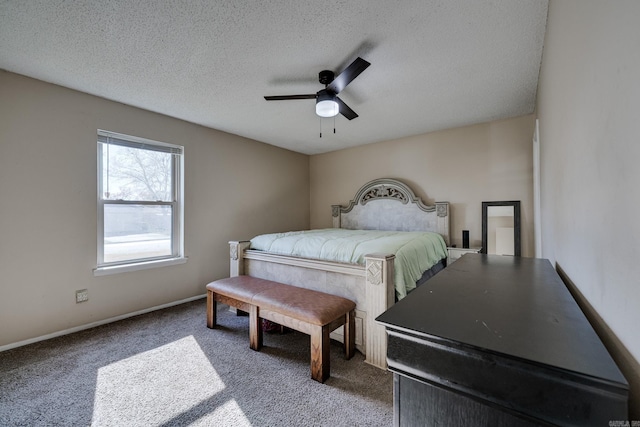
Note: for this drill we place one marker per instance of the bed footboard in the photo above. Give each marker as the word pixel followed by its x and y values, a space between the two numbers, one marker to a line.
pixel 371 287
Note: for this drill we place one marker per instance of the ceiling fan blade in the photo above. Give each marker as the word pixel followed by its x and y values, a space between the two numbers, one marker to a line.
pixel 345 110
pixel 348 74
pixel 287 97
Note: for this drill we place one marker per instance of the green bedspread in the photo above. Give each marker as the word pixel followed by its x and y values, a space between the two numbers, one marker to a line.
pixel 415 252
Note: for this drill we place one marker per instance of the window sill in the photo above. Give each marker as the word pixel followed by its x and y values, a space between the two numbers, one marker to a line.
pixel 114 269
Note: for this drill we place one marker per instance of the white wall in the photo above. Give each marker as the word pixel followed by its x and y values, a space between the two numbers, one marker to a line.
pixel 589 111
pixel 234 188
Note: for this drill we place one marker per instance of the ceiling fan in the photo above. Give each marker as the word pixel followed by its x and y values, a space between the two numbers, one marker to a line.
pixel 327 102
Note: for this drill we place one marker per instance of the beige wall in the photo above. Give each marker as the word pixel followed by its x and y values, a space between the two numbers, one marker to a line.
pixel 464 166
pixel 589 111
pixel 234 189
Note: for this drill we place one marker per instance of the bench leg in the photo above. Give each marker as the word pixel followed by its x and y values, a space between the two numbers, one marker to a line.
pixel 211 310
pixel 255 329
pixel 350 334
pixel 320 367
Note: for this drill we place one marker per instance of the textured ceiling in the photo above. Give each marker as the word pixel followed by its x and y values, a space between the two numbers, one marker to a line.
pixel 435 64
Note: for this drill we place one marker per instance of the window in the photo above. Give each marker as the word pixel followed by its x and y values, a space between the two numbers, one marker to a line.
pixel 139 203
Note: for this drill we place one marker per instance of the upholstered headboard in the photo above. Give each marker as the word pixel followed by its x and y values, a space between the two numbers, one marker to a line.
pixel 389 204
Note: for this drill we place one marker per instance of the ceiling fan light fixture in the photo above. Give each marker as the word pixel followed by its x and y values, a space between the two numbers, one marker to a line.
pixel 326 105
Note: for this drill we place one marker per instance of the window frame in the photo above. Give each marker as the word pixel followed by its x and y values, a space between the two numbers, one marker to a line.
pixel 177 204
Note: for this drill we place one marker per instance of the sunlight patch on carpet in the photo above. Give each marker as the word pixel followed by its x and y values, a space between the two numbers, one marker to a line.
pixel 229 412
pixel 176 378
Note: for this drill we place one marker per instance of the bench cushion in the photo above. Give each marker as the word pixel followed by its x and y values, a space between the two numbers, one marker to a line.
pixel 317 308
pixel 242 288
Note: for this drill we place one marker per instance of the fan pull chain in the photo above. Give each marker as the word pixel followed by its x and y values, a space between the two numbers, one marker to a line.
pixel 334 126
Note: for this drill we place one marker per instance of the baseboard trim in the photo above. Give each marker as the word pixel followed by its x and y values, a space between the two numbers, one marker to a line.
pixel 97 323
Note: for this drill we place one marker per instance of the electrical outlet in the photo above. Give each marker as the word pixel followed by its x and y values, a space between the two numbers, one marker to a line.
pixel 82 295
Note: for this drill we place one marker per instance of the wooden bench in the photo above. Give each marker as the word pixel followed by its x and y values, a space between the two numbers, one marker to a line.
pixel 311 312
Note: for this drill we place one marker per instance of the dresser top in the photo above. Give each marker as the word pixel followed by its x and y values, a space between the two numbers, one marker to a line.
pixel 513 306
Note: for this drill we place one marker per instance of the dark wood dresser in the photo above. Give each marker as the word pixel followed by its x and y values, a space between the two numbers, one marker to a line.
pixel 499 341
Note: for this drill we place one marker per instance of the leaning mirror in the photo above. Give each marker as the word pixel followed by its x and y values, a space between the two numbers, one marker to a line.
pixel 501 228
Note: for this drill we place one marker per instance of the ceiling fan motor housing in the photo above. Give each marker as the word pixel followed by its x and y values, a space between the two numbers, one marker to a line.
pixel 326 76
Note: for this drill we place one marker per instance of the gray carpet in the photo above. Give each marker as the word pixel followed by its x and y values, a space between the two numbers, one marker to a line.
pixel 167 369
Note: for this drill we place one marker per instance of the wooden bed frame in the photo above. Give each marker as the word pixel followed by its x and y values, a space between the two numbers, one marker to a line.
pixel 382 204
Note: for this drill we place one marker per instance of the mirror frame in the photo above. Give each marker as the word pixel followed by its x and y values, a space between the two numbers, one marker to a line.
pixel 516 224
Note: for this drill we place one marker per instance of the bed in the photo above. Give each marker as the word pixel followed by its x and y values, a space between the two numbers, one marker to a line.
pixel 385 205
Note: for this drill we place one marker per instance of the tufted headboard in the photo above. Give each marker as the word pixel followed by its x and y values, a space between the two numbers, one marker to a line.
pixel 389 204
